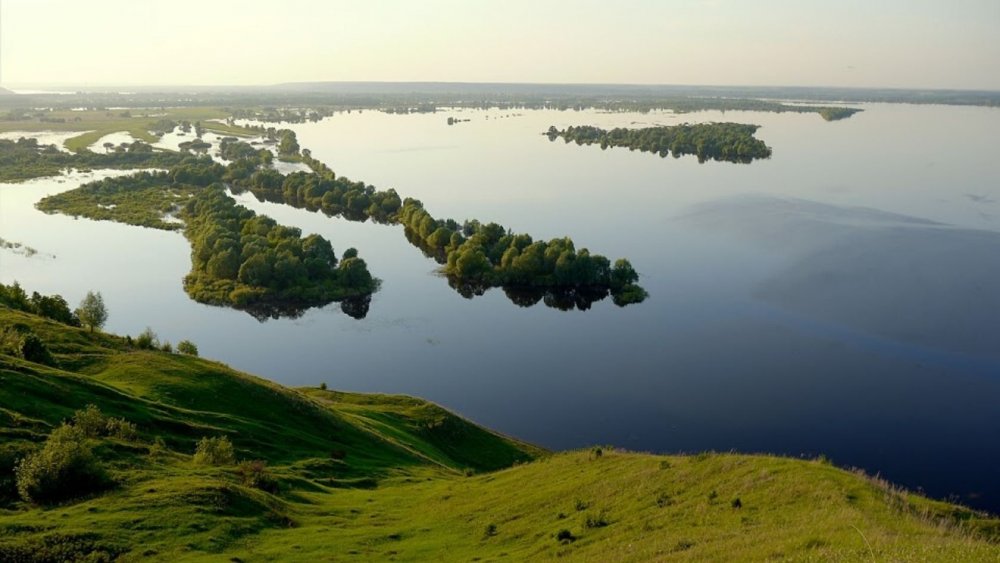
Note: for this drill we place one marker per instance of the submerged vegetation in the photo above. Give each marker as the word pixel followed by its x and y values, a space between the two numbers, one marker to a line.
pixel 128 452
pixel 731 142
pixel 25 158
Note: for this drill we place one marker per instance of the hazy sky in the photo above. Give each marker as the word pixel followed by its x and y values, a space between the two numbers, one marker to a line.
pixel 893 43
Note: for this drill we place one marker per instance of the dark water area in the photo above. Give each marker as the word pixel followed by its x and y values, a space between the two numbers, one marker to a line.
pixel 839 298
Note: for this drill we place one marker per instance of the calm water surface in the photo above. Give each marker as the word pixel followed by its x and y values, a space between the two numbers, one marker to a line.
pixel 840 298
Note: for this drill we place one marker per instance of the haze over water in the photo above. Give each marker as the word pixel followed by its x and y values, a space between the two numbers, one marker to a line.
pixel 839 298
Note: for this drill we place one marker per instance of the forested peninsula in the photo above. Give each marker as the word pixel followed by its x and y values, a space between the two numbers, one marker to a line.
pixel 231 265
pixel 728 142
pixel 238 258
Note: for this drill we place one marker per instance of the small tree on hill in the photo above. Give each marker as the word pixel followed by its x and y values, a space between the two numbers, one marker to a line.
pixel 187 347
pixel 92 311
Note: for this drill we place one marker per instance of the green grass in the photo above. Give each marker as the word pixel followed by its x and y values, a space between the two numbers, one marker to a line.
pixel 381 477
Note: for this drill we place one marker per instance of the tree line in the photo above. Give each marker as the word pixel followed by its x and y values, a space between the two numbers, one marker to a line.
pixel 731 142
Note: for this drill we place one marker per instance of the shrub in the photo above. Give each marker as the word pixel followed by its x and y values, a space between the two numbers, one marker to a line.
pixel 187 347
pixel 663 500
pixel 34 349
pixel 121 429
pixel 10 454
pixel 64 468
pixel 565 536
pixel 167 347
pixel 491 530
pixel 90 421
pixel 581 505
pixel 255 474
pixel 598 520
pixel 322 386
pixel 19 340
pixel 147 340
pixel 214 451
pixel 158 447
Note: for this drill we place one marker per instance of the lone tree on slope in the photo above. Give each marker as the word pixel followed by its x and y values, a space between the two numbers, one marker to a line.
pixel 92 311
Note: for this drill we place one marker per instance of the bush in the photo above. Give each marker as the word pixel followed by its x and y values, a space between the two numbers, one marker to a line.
pixel 663 500
pixel 187 347
pixel 147 340
pixel 214 451
pixel 19 340
pixel 90 421
pixel 64 468
pixel 158 447
pixel 10 454
pixel 34 349
pixel 121 429
pixel 598 520
pixel 255 474
pixel 167 347
pixel 565 536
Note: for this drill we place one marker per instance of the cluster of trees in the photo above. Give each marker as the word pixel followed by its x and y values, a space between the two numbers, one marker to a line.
pixel 731 142
pixel 19 340
pixel 478 256
pixel 25 158
pixel 242 259
pixel 232 149
pixel 475 256
pixel 197 145
pixel 49 306
pixel 281 115
pixel 251 262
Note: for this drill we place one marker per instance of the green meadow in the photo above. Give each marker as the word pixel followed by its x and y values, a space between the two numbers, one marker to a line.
pixel 321 475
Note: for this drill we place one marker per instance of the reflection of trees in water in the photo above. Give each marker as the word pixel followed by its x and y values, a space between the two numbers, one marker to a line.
pixel 562 298
pixel 266 311
pixel 354 307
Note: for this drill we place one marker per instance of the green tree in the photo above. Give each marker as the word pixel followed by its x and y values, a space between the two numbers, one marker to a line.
pixel 92 311
pixel 187 347
pixel 64 468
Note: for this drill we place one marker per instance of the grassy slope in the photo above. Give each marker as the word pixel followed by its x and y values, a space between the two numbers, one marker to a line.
pixel 401 491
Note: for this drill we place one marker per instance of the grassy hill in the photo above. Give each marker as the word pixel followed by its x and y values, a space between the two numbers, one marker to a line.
pixel 378 477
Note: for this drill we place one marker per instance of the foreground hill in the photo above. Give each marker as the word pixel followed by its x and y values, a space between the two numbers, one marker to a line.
pixel 340 476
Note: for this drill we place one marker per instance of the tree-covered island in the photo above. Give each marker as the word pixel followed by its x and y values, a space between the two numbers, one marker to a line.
pixel 729 142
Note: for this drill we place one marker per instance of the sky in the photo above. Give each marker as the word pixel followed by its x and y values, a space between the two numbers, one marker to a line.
pixel 859 43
